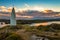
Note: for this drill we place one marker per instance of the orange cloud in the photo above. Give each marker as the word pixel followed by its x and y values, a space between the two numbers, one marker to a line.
pixel 25 16
pixel 47 11
pixel 56 15
pixel 9 9
pixel 2 7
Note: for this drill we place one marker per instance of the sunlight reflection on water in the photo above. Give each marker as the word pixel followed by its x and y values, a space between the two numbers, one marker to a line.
pixel 45 23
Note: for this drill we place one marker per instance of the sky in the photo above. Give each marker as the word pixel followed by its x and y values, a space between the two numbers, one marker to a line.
pixel 39 5
pixel 23 9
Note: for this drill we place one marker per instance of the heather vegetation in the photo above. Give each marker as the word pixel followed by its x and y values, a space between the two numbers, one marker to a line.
pixel 24 32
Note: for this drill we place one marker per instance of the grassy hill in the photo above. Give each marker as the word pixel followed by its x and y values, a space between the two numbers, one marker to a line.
pixel 24 32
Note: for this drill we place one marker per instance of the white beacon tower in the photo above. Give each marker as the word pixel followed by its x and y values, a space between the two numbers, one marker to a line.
pixel 13 18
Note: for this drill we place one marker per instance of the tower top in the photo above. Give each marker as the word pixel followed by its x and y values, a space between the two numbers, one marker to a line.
pixel 13 9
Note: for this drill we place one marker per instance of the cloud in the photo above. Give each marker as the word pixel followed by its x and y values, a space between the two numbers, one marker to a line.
pixel 6 9
pixel 26 5
pixel 27 15
pixel 9 9
pixel 2 7
pixel 19 16
pixel 48 11
pixel 38 8
pixel 57 15
pixel 24 16
pixel 4 14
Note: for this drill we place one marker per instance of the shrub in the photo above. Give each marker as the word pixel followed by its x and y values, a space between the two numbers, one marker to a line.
pixel 14 37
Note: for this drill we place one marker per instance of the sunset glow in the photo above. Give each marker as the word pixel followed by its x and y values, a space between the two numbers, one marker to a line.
pixel 31 9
